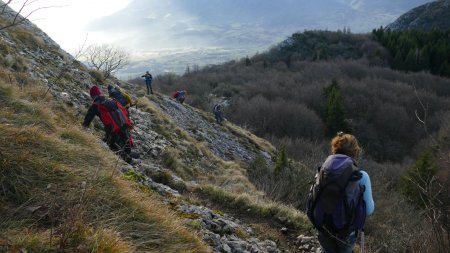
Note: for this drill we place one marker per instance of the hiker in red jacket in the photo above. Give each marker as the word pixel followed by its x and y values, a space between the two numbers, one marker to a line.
pixel 179 95
pixel 115 120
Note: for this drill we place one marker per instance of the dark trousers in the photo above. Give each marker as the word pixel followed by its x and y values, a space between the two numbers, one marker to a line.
pixel 331 244
pixel 149 88
pixel 218 117
pixel 180 99
pixel 120 143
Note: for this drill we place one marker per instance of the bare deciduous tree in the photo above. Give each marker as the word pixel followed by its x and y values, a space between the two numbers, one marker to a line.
pixel 435 190
pixel 106 58
pixel 15 18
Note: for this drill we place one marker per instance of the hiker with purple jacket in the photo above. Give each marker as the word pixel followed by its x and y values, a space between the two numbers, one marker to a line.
pixel 341 197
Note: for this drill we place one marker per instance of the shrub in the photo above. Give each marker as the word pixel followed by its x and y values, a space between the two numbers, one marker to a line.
pixel 97 75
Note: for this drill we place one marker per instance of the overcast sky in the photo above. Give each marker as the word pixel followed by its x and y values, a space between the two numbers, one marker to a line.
pixel 156 28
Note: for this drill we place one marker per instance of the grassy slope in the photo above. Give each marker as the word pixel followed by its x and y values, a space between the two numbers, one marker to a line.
pixel 59 190
pixel 225 184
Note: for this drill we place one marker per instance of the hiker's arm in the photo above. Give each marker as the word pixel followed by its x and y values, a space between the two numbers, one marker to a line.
pixel 370 204
pixel 90 115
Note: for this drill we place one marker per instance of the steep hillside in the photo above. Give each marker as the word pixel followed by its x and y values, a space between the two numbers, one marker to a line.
pixel 283 95
pixel 198 186
pixel 280 93
pixel 433 15
pixel 63 190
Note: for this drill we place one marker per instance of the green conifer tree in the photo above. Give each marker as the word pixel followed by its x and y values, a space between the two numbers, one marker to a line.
pixel 418 178
pixel 334 110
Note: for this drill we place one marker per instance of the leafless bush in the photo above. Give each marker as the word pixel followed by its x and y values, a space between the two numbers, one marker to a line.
pixel 311 153
pixel 278 117
pixel 105 58
pixel 289 185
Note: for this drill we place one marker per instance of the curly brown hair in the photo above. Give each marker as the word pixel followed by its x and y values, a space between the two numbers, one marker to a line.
pixel 345 144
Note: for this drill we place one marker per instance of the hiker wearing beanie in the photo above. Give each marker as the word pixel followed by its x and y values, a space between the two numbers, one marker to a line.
pixel 340 198
pixel 115 121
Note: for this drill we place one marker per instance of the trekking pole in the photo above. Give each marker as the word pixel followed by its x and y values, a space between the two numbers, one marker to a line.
pixel 362 241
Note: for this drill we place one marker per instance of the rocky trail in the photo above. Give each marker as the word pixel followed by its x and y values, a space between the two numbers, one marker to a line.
pixel 224 232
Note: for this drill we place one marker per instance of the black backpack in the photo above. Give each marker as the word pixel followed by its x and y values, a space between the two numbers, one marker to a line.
pixel 335 202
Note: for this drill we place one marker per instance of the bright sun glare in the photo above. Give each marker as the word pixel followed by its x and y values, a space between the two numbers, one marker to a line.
pixel 65 20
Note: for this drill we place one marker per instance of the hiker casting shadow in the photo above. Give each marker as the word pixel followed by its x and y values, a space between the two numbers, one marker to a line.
pixel 341 197
pixel 115 120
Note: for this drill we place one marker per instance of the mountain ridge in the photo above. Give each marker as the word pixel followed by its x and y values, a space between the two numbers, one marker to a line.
pixel 432 15
pixel 198 186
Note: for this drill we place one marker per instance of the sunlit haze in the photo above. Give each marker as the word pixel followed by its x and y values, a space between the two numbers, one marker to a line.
pixel 168 35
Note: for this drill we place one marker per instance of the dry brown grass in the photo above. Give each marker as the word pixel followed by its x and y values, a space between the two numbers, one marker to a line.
pixel 210 169
pixel 257 207
pixel 60 192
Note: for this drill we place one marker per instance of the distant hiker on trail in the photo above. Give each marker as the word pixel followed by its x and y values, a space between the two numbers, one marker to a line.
pixel 340 198
pixel 148 82
pixel 217 109
pixel 115 120
pixel 180 96
pixel 121 96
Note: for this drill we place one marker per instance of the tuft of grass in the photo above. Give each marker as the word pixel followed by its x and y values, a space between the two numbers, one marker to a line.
pixel 133 176
pixel 262 144
pixel 5 49
pixel 196 225
pixel 39 242
pixel 73 136
pixel 192 216
pixel 18 63
pixel 164 177
pixel 170 158
pixel 257 208
pixel 218 212
pixel 27 38
pixel 97 75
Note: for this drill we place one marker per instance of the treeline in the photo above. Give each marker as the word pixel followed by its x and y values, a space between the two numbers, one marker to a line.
pixel 297 100
pixel 279 102
pixel 325 45
pixel 416 50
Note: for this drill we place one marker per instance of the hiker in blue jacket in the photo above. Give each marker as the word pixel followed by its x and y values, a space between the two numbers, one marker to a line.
pixel 148 82
pixel 345 149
